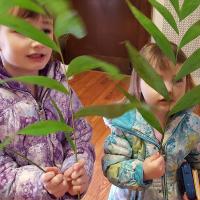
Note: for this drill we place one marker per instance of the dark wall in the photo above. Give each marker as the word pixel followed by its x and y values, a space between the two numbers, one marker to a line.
pixel 108 23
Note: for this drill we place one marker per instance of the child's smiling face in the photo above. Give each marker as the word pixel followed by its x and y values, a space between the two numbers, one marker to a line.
pixel 176 90
pixel 21 55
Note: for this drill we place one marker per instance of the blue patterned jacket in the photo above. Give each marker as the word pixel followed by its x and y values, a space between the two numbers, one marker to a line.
pixel 132 140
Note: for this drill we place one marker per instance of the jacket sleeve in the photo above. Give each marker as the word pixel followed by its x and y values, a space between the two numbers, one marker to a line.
pixel 194 156
pixel 121 164
pixel 16 181
pixel 82 134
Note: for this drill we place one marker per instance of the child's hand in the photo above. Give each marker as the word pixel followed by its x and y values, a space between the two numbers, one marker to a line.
pixel 185 197
pixel 79 178
pixel 55 182
pixel 154 166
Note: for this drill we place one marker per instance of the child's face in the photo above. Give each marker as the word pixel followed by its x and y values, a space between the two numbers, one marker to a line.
pixel 176 90
pixel 22 55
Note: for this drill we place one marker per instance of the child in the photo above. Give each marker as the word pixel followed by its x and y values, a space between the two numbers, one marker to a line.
pixel 21 105
pixel 132 161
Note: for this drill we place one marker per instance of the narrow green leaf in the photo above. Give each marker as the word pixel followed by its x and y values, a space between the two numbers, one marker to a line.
pixel 39 80
pixel 71 142
pixel 86 63
pixel 192 33
pixel 188 7
pixel 190 65
pixel 144 110
pixel 165 13
pixel 152 29
pixel 5 5
pixel 108 111
pixel 5 142
pixel 146 71
pixel 29 5
pixel 28 30
pixel 190 99
pixel 43 128
pixel 58 111
pixel 56 7
pixel 175 4
pixel 69 23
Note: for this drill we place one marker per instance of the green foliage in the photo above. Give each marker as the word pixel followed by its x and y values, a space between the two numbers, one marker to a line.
pixel 28 30
pixel 190 99
pixel 108 111
pixel 175 4
pixel 165 13
pixel 73 25
pixel 188 7
pixel 39 80
pixel 144 110
pixel 190 65
pixel 192 33
pixel 86 63
pixel 5 5
pixel 43 128
pixel 152 29
pixel 66 21
pixel 146 71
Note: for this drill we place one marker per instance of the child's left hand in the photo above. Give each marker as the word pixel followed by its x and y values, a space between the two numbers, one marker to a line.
pixel 79 178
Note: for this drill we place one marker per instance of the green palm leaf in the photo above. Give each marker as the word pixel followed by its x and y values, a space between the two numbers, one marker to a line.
pixel 29 5
pixel 69 23
pixel 28 30
pixel 165 13
pixel 188 7
pixel 5 5
pixel 144 110
pixel 192 33
pixel 175 4
pixel 152 29
pixel 108 111
pixel 43 128
pixel 146 71
pixel 86 63
pixel 39 80
pixel 190 65
pixel 190 99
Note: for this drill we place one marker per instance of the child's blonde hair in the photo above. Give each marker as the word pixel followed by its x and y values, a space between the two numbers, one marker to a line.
pixel 153 54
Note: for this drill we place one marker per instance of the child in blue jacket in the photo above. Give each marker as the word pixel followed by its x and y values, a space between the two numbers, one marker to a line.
pixel 132 162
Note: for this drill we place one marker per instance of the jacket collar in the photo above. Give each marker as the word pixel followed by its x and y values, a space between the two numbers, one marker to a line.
pixel 50 70
pixel 133 121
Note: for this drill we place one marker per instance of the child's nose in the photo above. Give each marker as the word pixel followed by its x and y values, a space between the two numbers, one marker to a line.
pixel 169 86
pixel 36 44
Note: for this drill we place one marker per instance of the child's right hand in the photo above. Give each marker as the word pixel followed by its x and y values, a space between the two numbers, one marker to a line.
pixel 55 182
pixel 154 167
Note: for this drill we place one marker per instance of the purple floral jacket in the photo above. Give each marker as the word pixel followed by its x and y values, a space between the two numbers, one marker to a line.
pixel 20 180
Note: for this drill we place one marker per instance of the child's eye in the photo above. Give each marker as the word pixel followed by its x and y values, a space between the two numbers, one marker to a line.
pixel 179 81
pixel 47 30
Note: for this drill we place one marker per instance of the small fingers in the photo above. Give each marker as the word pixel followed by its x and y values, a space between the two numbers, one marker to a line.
pixel 79 181
pixel 46 177
pixel 80 164
pixel 54 169
pixel 68 173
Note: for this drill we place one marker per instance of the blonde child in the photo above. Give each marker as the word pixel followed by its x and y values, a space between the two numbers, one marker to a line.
pixel 21 105
pixel 132 162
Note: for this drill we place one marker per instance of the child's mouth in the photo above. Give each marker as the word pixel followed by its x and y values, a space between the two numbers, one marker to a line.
pixel 36 56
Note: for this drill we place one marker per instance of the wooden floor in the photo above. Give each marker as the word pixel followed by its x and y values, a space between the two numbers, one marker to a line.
pixel 95 88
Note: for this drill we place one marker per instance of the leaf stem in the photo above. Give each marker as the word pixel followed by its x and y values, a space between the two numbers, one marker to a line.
pixel 25 158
